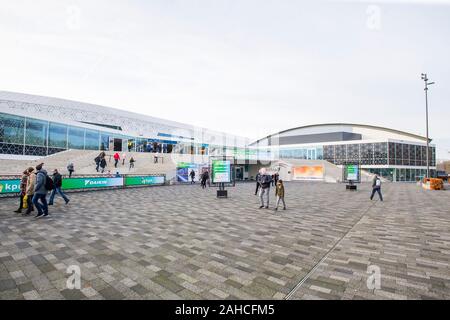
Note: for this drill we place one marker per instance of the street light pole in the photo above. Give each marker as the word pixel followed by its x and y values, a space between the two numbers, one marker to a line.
pixel 425 78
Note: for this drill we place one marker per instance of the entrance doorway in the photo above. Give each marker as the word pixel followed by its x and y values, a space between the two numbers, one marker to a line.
pixel 118 144
pixel 239 173
pixel 311 154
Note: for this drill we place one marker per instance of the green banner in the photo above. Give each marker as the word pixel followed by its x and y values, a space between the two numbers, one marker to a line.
pixel 10 186
pixel 144 180
pixel 221 171
pixel 89 183
pixel 352 172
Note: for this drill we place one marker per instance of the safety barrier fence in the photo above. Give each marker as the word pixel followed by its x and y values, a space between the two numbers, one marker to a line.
pixel 10 184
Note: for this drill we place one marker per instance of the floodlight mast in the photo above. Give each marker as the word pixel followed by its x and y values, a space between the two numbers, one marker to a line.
pixel 425 79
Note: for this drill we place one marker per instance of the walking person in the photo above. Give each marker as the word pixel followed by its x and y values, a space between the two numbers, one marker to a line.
pixel 57 185
pixel 265 181
pixel 103 164
pixel 97 162
pixel 132 161
pixel 279 193
pixel 71 169
pixel 273 179
pixel 124 157
pixel 29 191
pixel 276 177
pixel 116 159
pixel 258 184
pixel 376 187
pixel 205 177
pixel 40 191
pixel 23 191
pixel 192 175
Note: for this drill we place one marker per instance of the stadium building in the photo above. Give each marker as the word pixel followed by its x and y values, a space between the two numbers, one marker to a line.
pixel 35 126
pixel 39 126
pixel 393 154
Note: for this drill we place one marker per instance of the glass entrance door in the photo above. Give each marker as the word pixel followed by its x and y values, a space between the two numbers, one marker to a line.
pixel 311 154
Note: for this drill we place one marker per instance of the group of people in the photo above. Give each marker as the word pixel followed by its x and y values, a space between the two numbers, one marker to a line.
pixel 263 183
pixel 35 184
pixel 101 163
pixel 204 178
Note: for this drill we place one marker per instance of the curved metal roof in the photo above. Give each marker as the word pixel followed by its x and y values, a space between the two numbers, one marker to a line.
pixel 415 136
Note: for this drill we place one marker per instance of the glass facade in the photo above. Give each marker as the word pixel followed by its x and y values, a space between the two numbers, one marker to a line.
pixel 402 154
pixel 307 153
pixel 57 136
pixel 28 136
pixel 36 132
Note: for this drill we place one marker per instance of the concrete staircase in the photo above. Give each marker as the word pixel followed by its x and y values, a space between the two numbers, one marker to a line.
pixel 84 163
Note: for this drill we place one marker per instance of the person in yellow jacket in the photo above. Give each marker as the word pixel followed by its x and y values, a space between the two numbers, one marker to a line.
pixel 279 193
pixel 31 183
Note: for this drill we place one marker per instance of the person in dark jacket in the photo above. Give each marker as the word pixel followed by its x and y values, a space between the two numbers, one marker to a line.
pixel 276 177
pixel 103 164
pixel 23 190
pixel 71 169
pixel 265 181
pixel 192 175
pixel 40 192
pixel 258 184
pixel 132 161
pixel 205 177
pixel 376 187
pixel 57 184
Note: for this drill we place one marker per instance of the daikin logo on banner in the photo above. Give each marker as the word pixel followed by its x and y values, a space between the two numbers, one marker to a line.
pixel 88 182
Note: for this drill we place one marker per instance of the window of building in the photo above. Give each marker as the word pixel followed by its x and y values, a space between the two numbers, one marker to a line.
pixel 36 132
pixel 92 140
pixel 76 138
pixel 11 129
pixel 57 136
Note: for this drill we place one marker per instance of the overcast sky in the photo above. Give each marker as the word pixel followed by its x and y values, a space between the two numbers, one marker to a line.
pixel 249 68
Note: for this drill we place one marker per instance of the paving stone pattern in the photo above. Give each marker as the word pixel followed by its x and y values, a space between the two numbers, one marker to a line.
pixel 181 242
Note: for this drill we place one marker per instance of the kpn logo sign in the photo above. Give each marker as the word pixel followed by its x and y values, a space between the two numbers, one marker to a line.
pixel 10 186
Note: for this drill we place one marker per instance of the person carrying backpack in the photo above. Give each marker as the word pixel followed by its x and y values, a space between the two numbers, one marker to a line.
pixel 71 169
pixel 103 164
pixel 265 182
pixel 43 185
pixel 57 183
pixel 376 187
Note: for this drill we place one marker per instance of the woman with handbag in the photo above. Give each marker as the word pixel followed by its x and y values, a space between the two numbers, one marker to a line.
pixel 23 192
pixel 29 192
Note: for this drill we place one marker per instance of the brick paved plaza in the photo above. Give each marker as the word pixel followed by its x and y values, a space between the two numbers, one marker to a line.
pixel 180 242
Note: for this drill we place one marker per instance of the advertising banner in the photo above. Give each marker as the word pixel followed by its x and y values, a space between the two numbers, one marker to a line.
pixel 221 171
pixel 9 186
pixel 184 169
pixel 144 180
pixel 308 173
pixel 352 172
pixel 89 183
